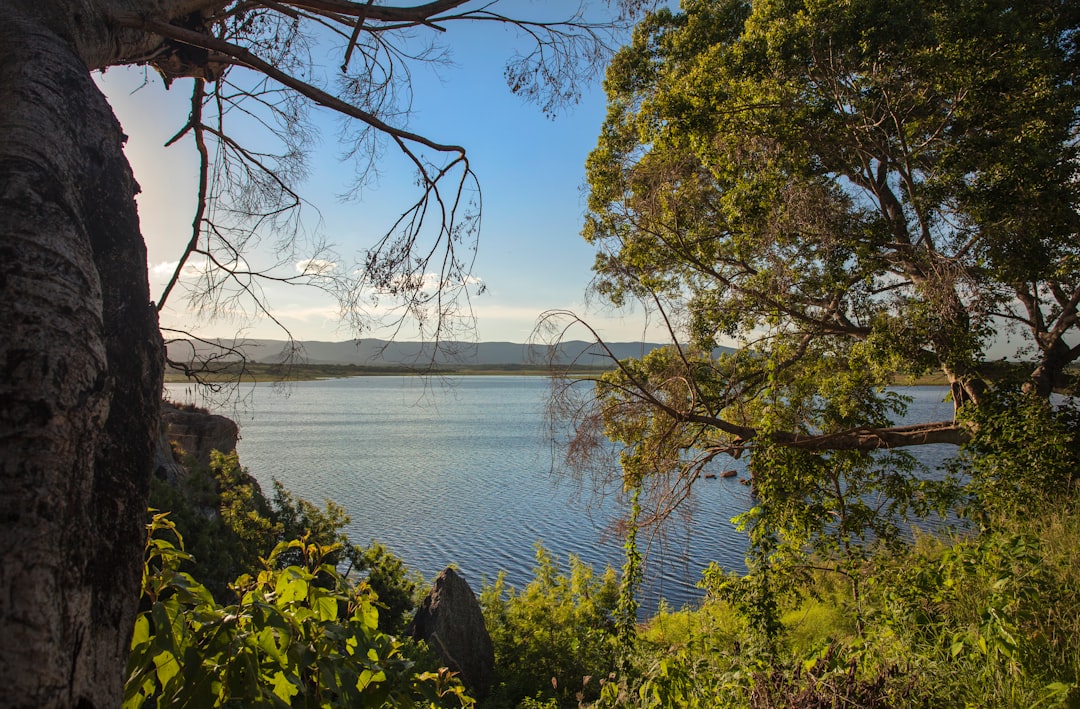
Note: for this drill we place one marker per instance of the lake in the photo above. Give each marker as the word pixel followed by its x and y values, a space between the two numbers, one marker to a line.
pixel 458 471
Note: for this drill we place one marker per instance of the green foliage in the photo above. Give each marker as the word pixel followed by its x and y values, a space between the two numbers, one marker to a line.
pixel 626 608
pixel 849 190
pixel 990 618
pixel 395 586
pixel 297 517
pixel 682 659
pixel 715 620
pixel 221 543
pixel 555 638
pixel 297 635
pixel 230 527
pixel 833 506
pixel 1024 453
pixel 814 621
pixel 987 620
pixel 756 595
pixel 771 156
pixel 246 512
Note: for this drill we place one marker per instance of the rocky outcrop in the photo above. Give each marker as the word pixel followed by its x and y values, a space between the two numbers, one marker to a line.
pixel 167 463
pixel 451 623
pixel 197 432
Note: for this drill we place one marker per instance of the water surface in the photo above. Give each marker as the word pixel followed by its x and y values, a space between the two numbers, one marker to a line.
pixel 458 471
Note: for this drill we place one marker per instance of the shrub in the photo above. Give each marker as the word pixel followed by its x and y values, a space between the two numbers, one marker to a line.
pixel 1025 453
pixel 229 526
pixel 555 639
pixel 286 641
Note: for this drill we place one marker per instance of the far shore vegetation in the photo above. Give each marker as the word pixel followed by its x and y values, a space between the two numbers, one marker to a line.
pixel 301 372
pixel 269 372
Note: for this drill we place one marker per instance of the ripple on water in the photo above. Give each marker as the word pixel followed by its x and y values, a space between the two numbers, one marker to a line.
pixel 462 475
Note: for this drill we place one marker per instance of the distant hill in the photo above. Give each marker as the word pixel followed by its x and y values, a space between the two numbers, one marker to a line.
pixel 372 352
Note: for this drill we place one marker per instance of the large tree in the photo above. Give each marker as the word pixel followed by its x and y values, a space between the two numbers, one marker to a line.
pixel 81 352
pixel 849 190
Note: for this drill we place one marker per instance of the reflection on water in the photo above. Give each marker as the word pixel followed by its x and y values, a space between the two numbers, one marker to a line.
pixel 459 472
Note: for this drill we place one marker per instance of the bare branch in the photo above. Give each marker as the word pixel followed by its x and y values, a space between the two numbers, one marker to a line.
pixel 244 57
pixel 195 124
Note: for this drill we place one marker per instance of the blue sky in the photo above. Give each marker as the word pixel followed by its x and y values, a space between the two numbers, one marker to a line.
pixel 531 170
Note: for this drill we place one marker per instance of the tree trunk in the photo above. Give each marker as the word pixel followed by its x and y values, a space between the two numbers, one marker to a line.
pixel 80 377
pixel 1050 375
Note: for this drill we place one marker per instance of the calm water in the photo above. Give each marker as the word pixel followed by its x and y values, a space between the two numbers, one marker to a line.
pixel 459 471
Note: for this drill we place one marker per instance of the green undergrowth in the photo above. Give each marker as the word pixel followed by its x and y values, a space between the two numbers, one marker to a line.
pixel 554 638
pixel 295 633
pixel 229 526
pixel 987 620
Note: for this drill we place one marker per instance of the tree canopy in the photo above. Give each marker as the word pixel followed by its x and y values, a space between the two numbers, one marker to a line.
pixel 848 191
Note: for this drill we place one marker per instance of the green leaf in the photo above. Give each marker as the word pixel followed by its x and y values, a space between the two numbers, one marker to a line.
pixel 167 667
pixel 326 608
pixel 283 688
pixel 267 642
pixel 368 677
pixel 141 634
pixel 369 615
pixel 290 587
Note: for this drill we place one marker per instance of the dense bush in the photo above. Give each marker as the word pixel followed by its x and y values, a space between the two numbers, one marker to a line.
pixel 554 639
pixel 296 635
pixel 229 525
pixel 991 619
pixel 986 616
pixel 1024 453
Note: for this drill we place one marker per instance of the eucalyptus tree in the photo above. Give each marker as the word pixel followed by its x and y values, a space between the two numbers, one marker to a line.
pixel 81 351
pixel 849 190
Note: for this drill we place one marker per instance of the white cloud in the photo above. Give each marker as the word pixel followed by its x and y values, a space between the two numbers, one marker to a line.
pixel 163 269
pixel 315 267
pixel 192 269
pixel 430 282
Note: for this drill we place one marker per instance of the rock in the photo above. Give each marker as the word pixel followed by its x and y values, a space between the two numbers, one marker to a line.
pixel 167 467
pixel 198 432
pixel 451 623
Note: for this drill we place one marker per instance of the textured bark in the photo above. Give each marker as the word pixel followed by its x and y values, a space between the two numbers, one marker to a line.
pixel 860 439
pixel 1051 374
pixel 80 373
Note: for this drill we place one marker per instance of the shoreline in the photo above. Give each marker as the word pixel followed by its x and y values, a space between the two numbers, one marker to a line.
pixel 266 372
pixel 261 372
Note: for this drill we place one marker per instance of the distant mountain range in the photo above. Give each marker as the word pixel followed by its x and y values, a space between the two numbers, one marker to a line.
pixel 372 352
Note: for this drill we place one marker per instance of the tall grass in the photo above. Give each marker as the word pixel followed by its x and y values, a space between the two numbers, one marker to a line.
pixel 987 620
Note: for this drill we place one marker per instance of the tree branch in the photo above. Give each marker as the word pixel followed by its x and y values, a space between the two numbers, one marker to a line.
pixel 245 57
pixel 194 124
pixel 420 14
